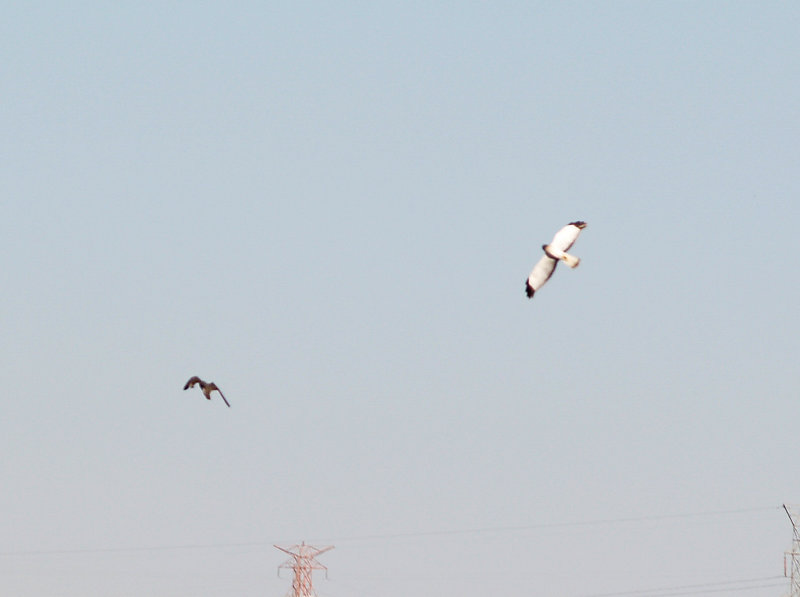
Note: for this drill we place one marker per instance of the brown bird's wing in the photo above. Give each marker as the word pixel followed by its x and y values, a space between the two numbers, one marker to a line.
pixel 192 380
pixel 223 397
pixel 211 387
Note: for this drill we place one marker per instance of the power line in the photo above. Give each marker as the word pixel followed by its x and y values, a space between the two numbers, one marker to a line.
pixel 549 525
pixel 697 589
pixel 390 536
pixel 708 591
pixel 98 550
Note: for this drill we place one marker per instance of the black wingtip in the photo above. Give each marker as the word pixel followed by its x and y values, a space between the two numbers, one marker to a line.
pixel 580 224
pixel 529 290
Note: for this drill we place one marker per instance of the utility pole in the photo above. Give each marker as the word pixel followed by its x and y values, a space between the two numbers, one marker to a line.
pixel 793 569
pixel 303 563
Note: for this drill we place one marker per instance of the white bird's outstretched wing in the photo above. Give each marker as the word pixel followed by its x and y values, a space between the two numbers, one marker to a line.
pixel 566 237
pixel 540 274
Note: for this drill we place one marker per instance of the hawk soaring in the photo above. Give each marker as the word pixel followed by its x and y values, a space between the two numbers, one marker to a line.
pixel 206 387
pixel 553 253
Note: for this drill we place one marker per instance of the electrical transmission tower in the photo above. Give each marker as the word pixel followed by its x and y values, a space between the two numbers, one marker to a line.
pixel 303 563
pixel 793 568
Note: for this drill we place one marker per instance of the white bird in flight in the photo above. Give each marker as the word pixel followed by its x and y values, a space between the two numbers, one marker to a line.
pixel 553 253
pixel 206 387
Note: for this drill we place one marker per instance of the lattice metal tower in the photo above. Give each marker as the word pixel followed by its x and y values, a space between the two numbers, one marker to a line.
pixel 303 563
pixel 791 559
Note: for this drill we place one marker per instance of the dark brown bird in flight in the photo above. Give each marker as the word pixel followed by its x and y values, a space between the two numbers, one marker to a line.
pixel 206 387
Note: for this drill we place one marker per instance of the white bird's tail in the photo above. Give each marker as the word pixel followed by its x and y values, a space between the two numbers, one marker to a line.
pixel 555 253
pixel 571 260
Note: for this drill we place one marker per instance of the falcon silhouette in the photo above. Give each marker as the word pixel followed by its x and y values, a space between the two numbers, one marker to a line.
pixel 206 387
pixel 553 253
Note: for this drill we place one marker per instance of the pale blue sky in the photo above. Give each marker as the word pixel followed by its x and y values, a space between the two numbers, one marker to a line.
pixel 330 210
